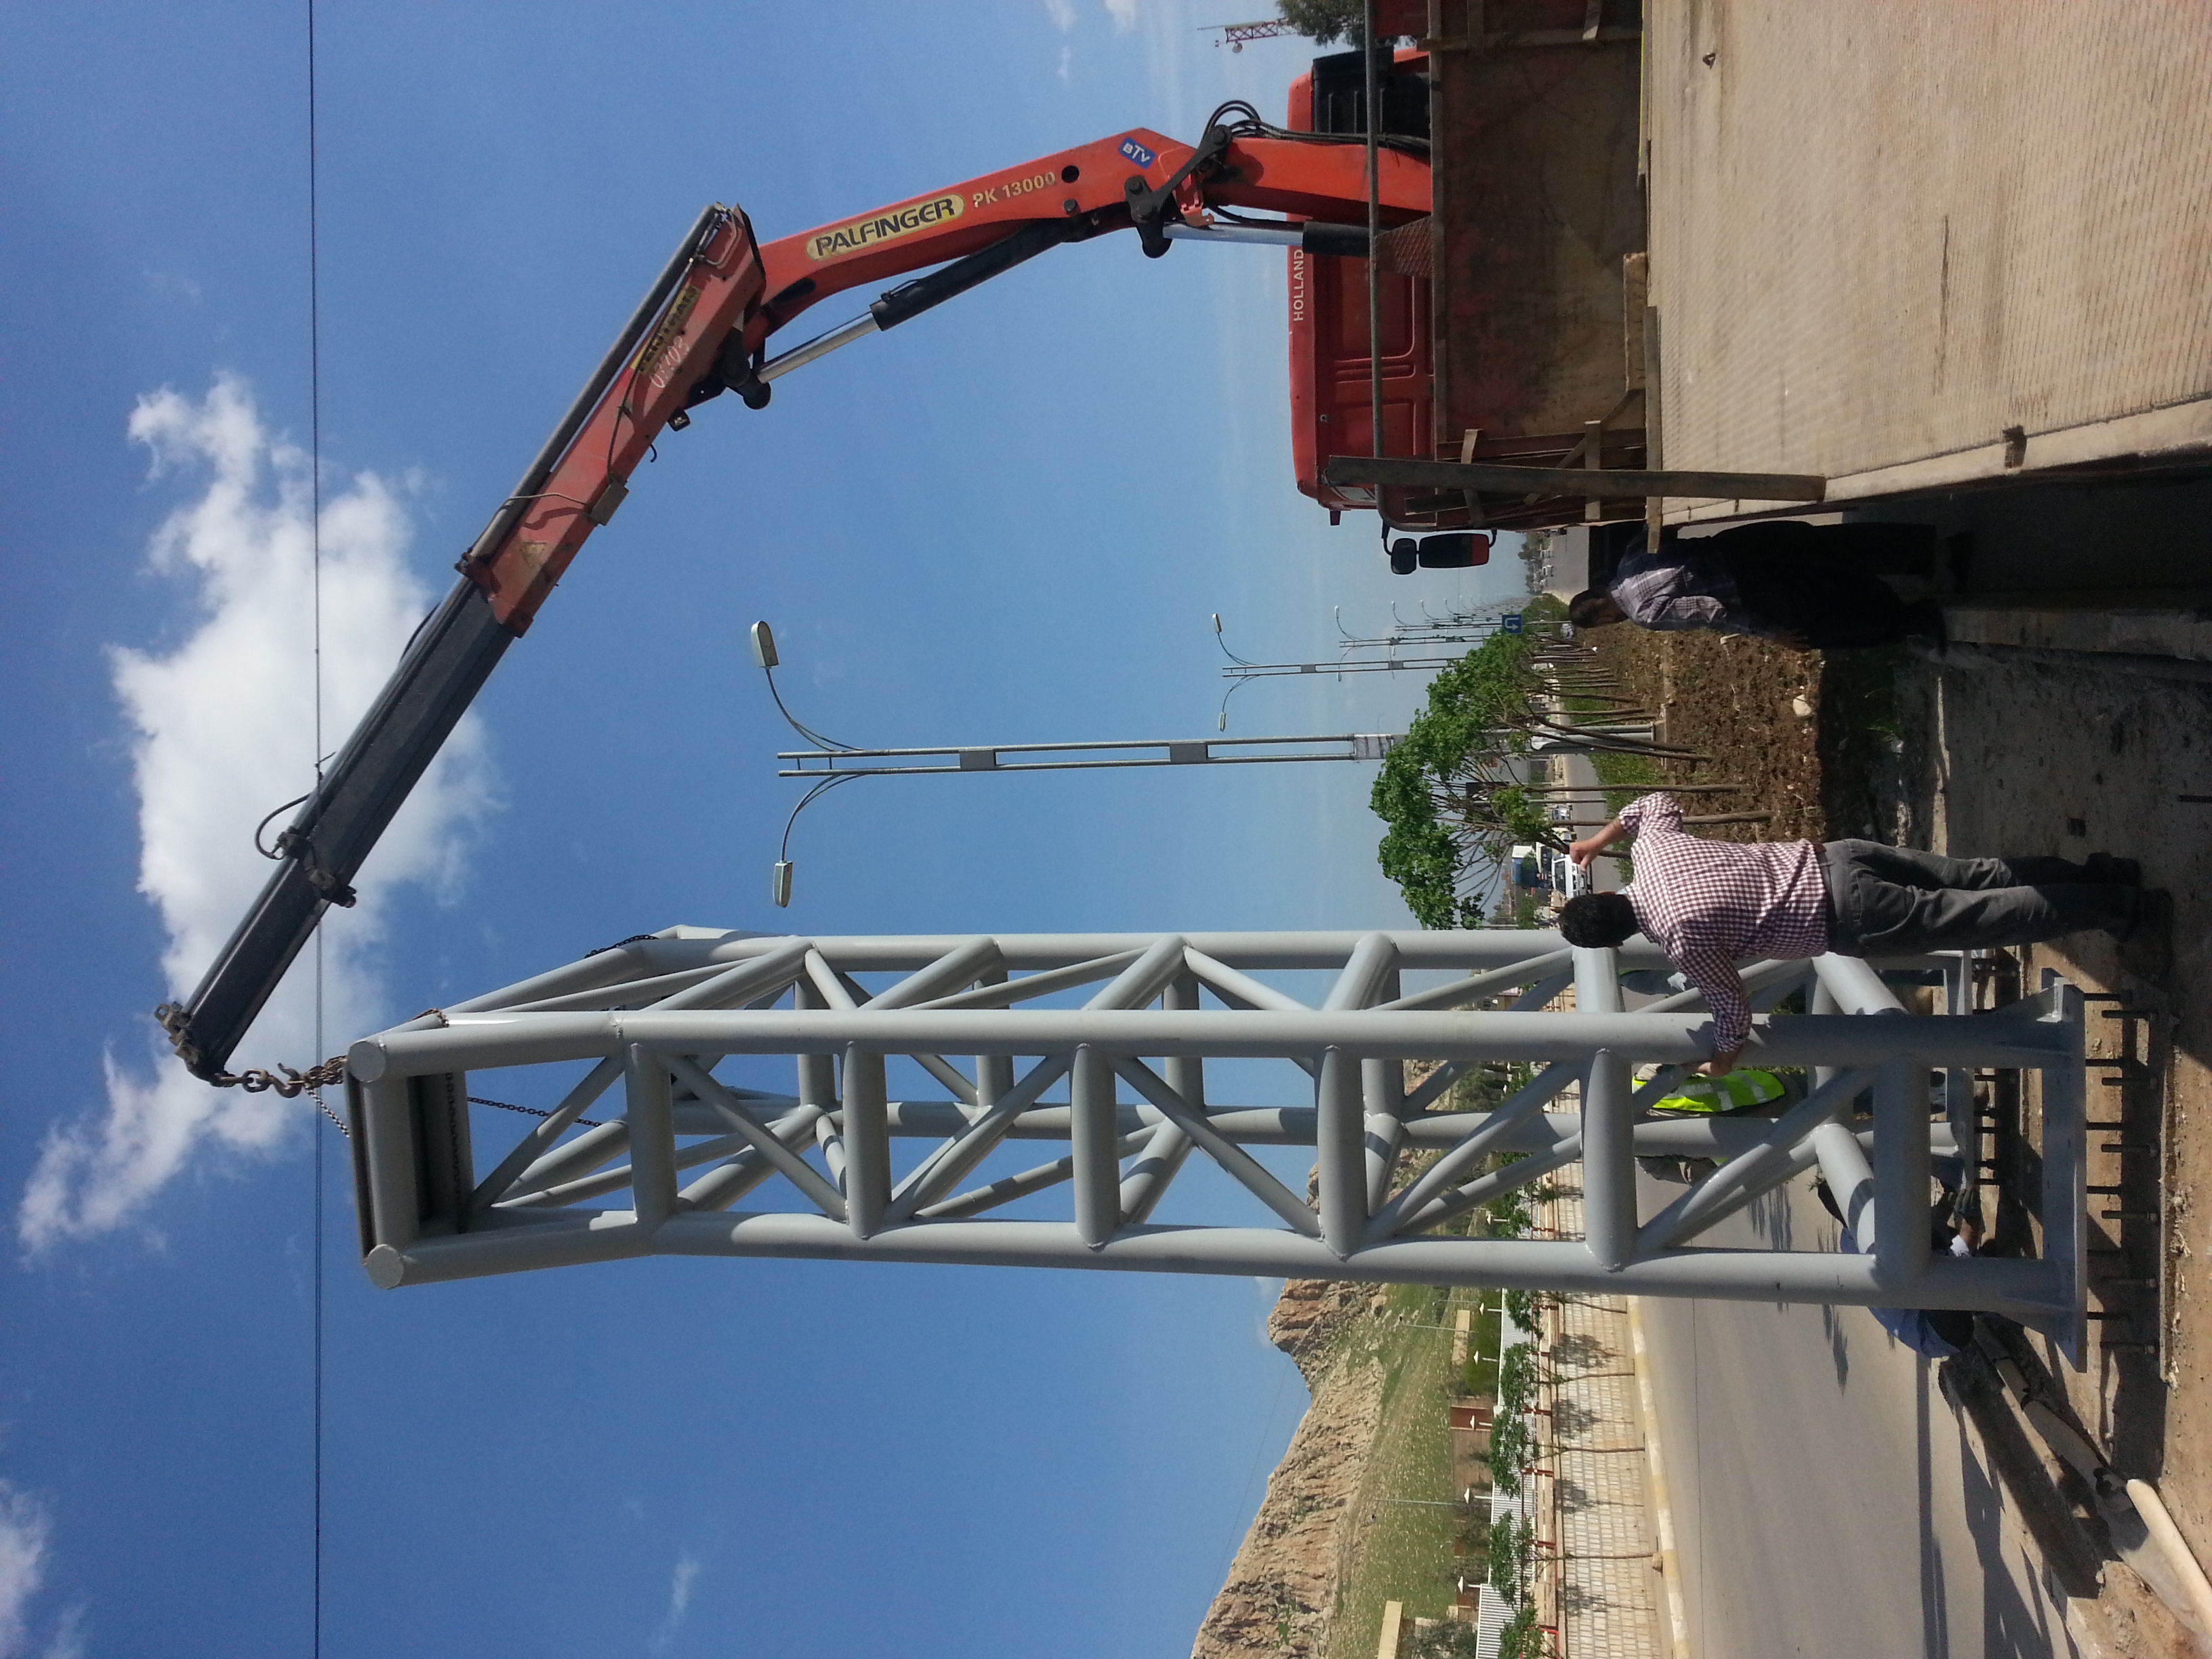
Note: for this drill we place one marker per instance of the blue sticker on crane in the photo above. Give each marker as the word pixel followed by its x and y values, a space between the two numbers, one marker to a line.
pixel 1137 153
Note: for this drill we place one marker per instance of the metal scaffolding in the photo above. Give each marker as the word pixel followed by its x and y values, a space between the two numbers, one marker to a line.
pixel 658 1016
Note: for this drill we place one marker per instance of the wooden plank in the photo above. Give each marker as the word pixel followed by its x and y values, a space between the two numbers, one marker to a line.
pixel 1606 485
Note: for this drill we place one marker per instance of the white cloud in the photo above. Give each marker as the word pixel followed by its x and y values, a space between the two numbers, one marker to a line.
pixel 1124 13
pixel 23 1529
pixel 1062 13
pixel 679 1598
pixel 1067 61
pixel 69 1637
pixel 223 730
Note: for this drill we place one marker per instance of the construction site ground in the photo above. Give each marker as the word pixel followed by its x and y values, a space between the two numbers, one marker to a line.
pixel 1906 245
pixel 1998 752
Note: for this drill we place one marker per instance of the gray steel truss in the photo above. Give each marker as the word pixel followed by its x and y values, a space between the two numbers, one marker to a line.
pixel 1100 1043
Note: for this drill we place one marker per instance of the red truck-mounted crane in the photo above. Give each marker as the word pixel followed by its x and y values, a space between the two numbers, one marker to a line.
pixel 704 328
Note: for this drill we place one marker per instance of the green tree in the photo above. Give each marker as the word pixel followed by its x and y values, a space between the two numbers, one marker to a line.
pixel 1512 1452
pixel 1448 1638
pixel 1434 792
pixel 1447 793
pixel 1523 1308
pixel 1523 1638
pixel 1324 21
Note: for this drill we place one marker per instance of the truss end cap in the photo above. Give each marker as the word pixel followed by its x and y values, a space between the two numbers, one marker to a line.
pixel 385 1268
pixel 365 1060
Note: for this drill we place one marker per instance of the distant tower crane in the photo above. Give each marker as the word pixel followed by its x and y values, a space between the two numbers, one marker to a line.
pixel 1234 35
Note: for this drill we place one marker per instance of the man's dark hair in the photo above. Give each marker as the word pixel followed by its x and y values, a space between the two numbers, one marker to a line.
pixel 1591 608
pixel 1596 921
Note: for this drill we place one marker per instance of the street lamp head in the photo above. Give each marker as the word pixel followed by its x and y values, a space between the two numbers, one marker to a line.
pixel 779 884
pixel 764 645
pixel 1217 622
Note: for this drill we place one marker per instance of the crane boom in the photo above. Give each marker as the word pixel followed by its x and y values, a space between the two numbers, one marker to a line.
pixel 701 330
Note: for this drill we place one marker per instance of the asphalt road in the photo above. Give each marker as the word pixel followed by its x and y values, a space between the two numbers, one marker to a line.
pixel 1826 1498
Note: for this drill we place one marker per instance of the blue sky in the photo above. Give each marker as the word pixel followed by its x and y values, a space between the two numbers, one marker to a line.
pixel 1008 520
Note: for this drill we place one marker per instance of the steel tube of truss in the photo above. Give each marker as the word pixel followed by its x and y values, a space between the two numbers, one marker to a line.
pixel 1009 1188
pixel 1432 1088
pixel 1465 949
pixel 1371 960
pixel 639 992
pixel 1482 984
pixel 1850 1183
pixel 1900 1169
pixel 1239 1164
pixel 1608 1148
pixel 1143 979
pixel 1522 1172
pixel 948 1074
pixel 832 1145
pixel 1093 1144
pixel 867 1141
pixel 1493 1132
pixel 2064 1093
pixel 599 968
pixel 764 1139
pixel 1383 1096
pixel 1004 993
pixel 1148 1177
pixel 1685 1216
pixel 1855 985
pixel 728 1182
pixel 2018 1289
pixel 1185 1073
pixel 817 1068
pixel 576 1193
pixel 1959 1085
pixel 1293 1126
pixel 1803 1156
pixel 471 1042
pixel 955 971
pixel 828 983
pixel 548 1130
pixel 742 982
pixel 600 1145
pixel 1340 1152
pixel 652 1135
pixel 1222 978
pixel 1163 1157
pixel 383 1137
pixel 994 1073
pixel 970 1144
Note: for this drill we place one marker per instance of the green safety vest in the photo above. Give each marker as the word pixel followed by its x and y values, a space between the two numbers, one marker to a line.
pixel 1730 1093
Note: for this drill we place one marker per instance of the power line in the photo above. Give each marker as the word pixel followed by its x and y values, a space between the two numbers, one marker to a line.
pixel 315 543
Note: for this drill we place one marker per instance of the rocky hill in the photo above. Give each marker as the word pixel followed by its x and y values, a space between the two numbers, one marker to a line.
pixel 1282 1587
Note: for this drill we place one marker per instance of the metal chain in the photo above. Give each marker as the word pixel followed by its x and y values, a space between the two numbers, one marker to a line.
pixel 257 1080
pixel 330 1114
pixel 530 1111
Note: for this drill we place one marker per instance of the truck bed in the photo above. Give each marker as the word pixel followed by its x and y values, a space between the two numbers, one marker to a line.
pixel 1911 246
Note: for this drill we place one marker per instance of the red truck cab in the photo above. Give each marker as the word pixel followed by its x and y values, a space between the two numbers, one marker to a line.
pixel 1331 390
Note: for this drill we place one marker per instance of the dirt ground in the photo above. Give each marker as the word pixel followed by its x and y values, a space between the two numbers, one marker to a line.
pixel 2067 760
pixel 1734 701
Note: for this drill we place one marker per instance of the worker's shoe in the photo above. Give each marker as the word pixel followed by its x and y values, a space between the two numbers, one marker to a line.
pixel 2147 943
pixel 2113 870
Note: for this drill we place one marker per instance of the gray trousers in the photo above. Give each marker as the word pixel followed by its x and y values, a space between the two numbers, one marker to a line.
pixel 1894 901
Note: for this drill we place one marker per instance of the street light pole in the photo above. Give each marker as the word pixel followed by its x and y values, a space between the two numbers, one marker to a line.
pixel 830 763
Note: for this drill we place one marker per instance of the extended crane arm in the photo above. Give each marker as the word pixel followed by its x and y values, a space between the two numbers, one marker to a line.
pixel 701 330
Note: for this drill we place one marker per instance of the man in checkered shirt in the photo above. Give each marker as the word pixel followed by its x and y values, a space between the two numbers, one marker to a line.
pixel 1712 904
